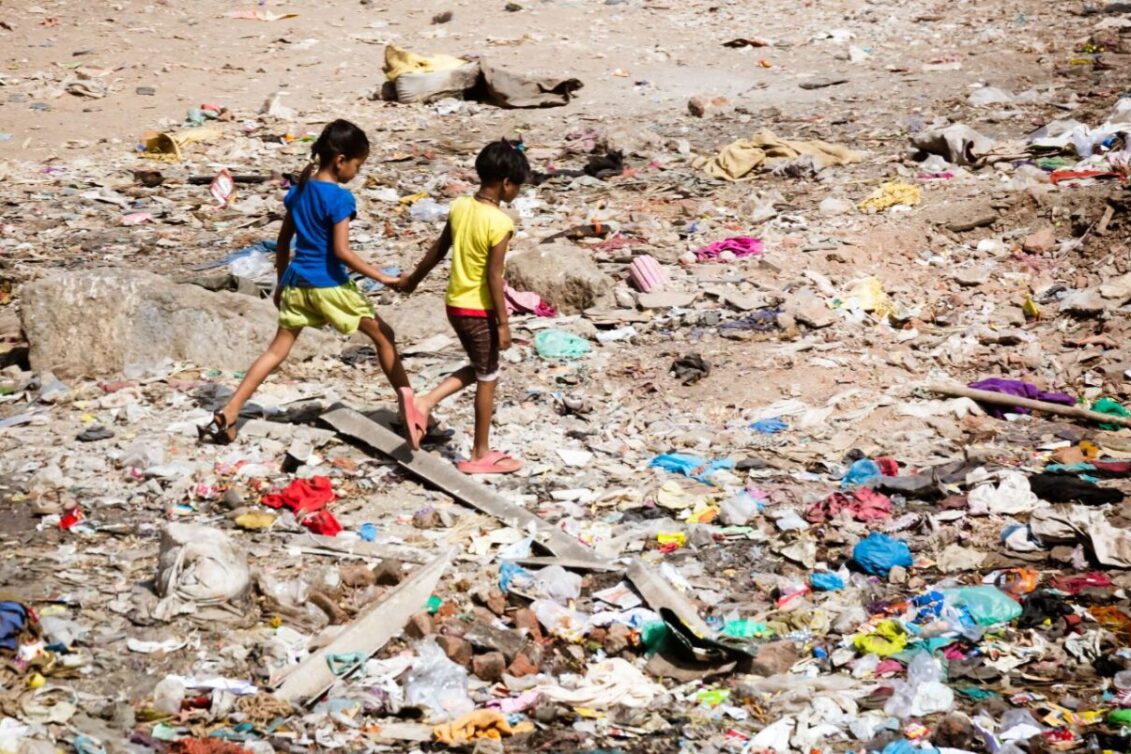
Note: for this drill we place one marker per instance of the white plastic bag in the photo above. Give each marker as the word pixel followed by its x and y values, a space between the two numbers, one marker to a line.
pixel 557 584
pixel 254 266
pixel 438 684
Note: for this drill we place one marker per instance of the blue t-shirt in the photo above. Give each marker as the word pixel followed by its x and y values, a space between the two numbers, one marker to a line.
pixel 316 207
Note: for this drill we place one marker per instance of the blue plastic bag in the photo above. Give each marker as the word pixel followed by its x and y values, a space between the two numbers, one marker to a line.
pixel 903 746
pixel 769 426
pixel 689 466
pixel 824 581
pixel 558 344
pixel 987 605
pixel 877 554
pixel 863 473
pixel 368 532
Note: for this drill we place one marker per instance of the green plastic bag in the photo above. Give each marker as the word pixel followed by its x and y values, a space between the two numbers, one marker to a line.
pixel 1111 408
pixel 558 344
pixel 988 605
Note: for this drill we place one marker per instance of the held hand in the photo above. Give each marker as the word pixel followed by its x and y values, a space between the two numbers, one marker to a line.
pixel 404 284
pixel 504 337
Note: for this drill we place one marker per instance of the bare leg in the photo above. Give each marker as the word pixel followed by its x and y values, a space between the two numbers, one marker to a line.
pixel 385 341
pixel 484 410
pixel 263 366
pixel 451 385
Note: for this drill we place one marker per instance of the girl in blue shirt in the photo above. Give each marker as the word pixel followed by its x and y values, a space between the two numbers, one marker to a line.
pixel 314 288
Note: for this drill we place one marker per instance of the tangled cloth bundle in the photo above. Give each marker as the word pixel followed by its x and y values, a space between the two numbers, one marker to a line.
pixel 198 565
pixel 742 246
pixel 764 150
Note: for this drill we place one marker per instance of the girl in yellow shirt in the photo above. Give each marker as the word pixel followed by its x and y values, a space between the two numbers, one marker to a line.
pixel 477 233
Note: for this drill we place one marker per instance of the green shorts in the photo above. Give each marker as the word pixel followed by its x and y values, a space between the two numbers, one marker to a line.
pixel 343 306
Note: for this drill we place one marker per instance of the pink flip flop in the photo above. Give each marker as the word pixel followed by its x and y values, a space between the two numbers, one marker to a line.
pixel 494 462
pixel 415 425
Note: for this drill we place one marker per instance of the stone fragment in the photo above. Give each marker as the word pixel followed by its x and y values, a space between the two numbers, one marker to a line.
pixel 773 658
pixel 489 666
pixel 99 321
pixel 458 650
pixel 1040 242
pixel 562 274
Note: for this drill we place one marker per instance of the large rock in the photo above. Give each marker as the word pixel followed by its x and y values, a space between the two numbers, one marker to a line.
pixel 417 317
pixel 84 323
pixel 562 274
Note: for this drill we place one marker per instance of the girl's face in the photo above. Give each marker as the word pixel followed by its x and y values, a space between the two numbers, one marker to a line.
pixel 347 170
pixel 509 190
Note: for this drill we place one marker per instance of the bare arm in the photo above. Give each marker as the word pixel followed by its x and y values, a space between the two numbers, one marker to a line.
pixel 347 257
pixel 283 253
pixel 439 250
pixel 495 285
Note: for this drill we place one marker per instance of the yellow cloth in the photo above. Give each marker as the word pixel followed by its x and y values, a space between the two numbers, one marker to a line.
pixel 476 725
pixel 342 306
pixel 476 227
pixel 398 61
pixel 745 156
pixel 168 146
pixel 891 194
pixel 869 296
pixel 889 638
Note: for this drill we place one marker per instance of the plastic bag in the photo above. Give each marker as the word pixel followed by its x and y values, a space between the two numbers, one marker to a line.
pixel 739 509
pixel 826 582
pixel 557 584
pixel 862 473
pixel 437 683
pixel 253 266
pixel 877 554
pixel 987 605
pixel 561 621
pixel 923 693
pixel 168 695
pixel 558 344
pixel 428 211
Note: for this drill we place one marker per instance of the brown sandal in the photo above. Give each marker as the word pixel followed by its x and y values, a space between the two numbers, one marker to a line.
pixel 217 431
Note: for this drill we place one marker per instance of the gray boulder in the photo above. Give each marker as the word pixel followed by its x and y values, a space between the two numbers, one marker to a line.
pixel 562 274
pixel 83 323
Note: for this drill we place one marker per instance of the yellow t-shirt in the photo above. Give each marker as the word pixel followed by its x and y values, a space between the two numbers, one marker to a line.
pixel 476 227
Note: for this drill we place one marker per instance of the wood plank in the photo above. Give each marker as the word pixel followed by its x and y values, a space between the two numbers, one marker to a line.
pixel 457 484
pixel 658 593
pixel 1012 401
pixel 317 544
pixel 372 629
pixel 570 565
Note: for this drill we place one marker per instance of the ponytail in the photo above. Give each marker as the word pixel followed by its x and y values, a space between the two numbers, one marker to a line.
pixel 338 138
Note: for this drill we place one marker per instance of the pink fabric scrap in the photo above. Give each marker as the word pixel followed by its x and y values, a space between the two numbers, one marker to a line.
pixel 863 504
pixel 742 246
pixel 526 302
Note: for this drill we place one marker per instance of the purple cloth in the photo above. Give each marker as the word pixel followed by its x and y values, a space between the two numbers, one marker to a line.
pixel 1021 390
pixel 740 247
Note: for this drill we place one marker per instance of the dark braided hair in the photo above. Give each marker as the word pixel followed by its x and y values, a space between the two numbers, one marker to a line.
pixel 338 138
